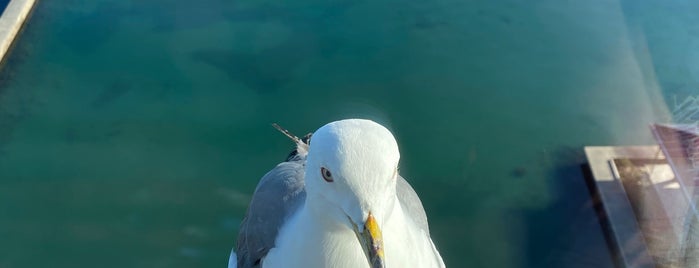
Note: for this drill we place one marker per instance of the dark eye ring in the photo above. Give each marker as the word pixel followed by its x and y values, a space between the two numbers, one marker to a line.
pixel 327 176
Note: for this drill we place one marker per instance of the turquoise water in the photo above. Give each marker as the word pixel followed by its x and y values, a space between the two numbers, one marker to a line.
pixel 132 133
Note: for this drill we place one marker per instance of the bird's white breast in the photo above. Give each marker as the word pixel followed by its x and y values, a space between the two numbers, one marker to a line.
pixel 306 241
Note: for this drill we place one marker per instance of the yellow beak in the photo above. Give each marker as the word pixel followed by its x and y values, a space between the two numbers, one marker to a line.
pixel 372 242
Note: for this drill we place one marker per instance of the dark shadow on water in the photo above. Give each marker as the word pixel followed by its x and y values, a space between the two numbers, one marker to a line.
pixel 567 232
pixel 265 71
pixel 243 67
pixel 116 89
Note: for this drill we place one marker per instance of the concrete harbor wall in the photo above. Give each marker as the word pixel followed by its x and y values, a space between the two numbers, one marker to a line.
pixel 11 22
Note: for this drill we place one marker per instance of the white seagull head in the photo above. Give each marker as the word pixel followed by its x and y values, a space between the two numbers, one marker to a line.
pixel 351 173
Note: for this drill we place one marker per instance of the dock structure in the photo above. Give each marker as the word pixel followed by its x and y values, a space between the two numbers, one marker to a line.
pixel 11 22
pixel 648 198
pixel 680 144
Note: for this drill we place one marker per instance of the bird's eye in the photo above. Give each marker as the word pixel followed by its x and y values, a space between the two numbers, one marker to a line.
pixel 327 176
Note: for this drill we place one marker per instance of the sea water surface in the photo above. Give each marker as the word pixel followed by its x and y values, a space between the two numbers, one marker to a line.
pixel 132 133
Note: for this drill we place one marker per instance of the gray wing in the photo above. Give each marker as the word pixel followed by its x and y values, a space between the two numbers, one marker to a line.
pixel 278 194
pixel 411 203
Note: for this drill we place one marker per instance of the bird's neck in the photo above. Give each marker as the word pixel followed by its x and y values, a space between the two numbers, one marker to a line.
pixel 325 213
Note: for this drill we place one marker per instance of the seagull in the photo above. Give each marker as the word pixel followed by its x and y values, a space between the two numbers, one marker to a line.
pixel 337 201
